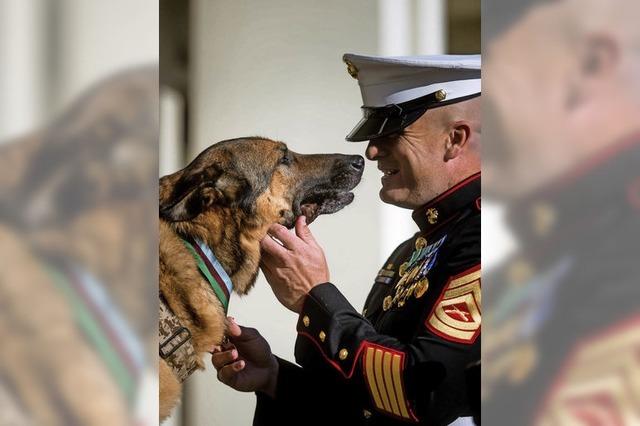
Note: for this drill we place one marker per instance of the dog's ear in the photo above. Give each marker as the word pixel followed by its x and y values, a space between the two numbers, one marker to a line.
pixel 184 196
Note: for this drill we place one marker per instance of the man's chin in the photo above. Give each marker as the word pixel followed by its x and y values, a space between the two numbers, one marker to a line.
pixel 392 197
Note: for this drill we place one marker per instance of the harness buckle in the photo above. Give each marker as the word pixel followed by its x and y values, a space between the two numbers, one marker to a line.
pixel 169 346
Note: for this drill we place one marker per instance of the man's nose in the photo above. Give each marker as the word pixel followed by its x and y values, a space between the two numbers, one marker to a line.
pixel 373 151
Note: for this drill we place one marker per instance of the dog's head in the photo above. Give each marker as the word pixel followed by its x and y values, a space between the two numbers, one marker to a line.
pixel 263 180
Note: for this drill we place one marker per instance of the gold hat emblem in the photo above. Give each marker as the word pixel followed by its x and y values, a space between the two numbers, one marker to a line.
pixel 440 95
pixel 351 69
pixel 432 215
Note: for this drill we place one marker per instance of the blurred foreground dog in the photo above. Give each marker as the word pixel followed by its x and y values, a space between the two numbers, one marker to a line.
pixel 79 260
pixel 213 214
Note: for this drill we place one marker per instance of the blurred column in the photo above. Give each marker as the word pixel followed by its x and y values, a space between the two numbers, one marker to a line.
pixel 23 27
pixel 394 39
pixel 171 131
pixel 431 28
pixel 394 20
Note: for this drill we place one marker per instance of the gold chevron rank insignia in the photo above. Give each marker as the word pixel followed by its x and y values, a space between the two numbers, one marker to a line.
pixel 383 371
pixel 599 380
pixel 457 313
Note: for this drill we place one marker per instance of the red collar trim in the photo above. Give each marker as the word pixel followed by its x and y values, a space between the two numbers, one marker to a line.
pixel 450 191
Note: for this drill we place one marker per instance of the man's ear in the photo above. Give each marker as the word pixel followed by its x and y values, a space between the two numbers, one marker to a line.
pixel 458 137
pixel 599 55
pixel 597 58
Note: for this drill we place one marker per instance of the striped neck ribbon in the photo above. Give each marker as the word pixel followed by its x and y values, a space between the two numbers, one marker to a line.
pixel 211 269
pixel 103 324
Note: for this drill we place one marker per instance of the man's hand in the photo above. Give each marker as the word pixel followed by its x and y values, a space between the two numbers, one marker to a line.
pixel 295 267
pixel 246 363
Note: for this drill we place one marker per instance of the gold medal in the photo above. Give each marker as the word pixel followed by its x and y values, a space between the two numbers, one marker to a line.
pixel 386 303
pixel 420 243
pixel 403 268
pixel 421 287
pixel 410 291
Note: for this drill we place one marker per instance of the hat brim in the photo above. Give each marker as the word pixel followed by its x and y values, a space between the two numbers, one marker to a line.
pixel 378 122
pixel 373 127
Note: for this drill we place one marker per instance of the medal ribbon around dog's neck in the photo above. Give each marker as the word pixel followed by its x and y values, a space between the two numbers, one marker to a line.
pixel 211 269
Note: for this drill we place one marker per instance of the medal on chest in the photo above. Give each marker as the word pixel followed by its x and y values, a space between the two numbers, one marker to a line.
pixel 413 273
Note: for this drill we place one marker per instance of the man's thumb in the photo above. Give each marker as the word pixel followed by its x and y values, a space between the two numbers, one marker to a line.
pixel 302 230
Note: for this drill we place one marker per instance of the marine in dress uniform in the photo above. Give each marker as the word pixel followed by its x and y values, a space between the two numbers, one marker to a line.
pixel 564 330
pixel 403 359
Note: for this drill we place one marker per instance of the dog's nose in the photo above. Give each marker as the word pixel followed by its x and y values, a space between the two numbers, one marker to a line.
pixel 357 162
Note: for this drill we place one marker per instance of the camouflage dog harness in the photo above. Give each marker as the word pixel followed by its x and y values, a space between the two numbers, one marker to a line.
pixel 175 340
pixel 175 343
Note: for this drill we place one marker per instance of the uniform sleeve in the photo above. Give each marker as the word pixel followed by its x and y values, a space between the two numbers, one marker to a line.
pixel 300 392
pixel 403 380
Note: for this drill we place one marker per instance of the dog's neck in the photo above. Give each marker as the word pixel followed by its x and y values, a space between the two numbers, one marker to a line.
pixel 234 238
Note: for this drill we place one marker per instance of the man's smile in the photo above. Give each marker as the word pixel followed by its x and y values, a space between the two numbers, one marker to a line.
pixel 387 174
pixel 388 171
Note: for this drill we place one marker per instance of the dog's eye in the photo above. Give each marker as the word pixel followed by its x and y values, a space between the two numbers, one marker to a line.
pixel 286 160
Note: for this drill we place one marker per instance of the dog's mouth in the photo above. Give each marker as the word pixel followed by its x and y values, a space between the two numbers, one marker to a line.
pixel 320 202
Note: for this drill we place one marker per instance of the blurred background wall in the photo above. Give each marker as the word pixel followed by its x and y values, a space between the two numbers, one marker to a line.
pixel 238 68
pixel 52 50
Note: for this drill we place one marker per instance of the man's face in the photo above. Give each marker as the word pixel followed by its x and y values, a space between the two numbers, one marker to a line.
pixel 526 110
pixel 412 161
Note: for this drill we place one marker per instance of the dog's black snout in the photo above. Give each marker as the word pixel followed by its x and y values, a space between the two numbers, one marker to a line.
pixel 357 162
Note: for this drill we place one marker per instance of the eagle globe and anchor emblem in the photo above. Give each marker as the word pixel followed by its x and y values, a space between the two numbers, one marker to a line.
pixel 413 273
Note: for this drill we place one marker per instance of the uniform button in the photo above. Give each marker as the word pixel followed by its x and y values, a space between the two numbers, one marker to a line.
pixel 305 321
pixel 441 95
pixel 343 354
pixel 366 413
pixel 322 336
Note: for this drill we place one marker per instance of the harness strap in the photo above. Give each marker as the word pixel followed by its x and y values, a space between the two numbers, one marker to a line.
pixel 175 343
pixel 175 340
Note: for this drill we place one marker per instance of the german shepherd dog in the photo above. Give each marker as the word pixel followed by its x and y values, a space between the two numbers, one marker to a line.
pixel 227 198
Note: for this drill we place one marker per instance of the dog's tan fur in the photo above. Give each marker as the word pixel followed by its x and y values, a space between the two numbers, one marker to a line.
pixel 239 189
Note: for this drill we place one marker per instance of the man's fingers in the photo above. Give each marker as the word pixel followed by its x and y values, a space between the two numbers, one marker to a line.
pixel 289 240
pixel 220 359
pixel 248 334
pixel 233 329
pixel 228 373
pixel 303 231
pixel 267 261
pixel 239 333
pixel 271 248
